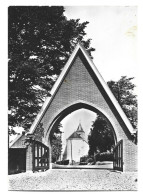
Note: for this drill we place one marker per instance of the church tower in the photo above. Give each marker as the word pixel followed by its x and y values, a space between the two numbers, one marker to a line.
pixel 76 146
pixel 80 131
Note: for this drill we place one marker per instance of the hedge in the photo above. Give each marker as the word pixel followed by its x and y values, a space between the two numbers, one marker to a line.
pixel 105 156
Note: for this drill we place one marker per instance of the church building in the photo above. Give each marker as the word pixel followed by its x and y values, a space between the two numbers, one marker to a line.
pixel 76 146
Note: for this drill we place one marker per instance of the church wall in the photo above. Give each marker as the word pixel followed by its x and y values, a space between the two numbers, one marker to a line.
pixel 76 148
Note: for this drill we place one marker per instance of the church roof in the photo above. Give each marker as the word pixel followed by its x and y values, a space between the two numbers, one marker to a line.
pixel 75 135
pixel 17 142
pixel 79 129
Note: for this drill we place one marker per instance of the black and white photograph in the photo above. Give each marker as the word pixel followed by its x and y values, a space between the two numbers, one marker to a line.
pixel 72 98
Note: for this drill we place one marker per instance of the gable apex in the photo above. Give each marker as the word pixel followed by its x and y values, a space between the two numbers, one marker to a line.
pixel 60 79
pixel 79 128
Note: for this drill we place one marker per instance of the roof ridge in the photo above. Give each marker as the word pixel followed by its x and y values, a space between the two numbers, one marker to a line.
pixel 15 139
pixel 74 135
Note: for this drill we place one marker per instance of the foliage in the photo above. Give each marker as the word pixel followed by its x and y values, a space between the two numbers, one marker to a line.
pixel 39 132
pixel 63 162
pixel 123 92
pixel 57 131
pixel 56 143
pixel 40 40
pixel 83 163
pixel 84 158
pixel 87 159
pixel 101 137
pixel 105 156
pixel 56 148
pixel 92 159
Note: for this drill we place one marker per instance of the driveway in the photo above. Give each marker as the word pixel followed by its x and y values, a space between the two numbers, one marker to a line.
pixel 74 179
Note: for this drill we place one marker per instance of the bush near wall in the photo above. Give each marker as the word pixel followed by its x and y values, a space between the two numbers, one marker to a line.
pixel 105 156
pixel 64 162
pixel 84 159
pixel 83 163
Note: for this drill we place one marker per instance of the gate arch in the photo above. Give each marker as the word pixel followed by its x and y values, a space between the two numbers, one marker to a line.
pixel 71 108
pixel 65 112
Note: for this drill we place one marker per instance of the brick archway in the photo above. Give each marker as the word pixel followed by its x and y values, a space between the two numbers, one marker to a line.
pixel 80 84
pixel 68 110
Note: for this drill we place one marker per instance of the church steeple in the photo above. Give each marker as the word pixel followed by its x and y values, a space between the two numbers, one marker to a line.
pixel 80 131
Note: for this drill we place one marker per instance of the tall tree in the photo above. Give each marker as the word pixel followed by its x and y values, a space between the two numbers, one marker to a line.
pixel 40 40
pixel 123 91
pixel 56 143
pixel 101 137
pixel 56 148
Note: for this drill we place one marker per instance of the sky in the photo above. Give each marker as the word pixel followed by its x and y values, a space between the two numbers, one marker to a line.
pixel 113 30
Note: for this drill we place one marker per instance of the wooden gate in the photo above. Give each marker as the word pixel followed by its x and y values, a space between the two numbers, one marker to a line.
pixel 118 156
pixel 40 156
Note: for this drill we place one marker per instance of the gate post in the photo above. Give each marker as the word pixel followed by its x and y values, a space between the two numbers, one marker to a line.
pixel 50 157
pixel 29 152
pixel 29 166
pixel 130 153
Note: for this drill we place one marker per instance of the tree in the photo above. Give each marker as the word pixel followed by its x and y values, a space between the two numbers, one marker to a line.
pixel 56 143
pixel 56 148
pixel 101 137
pixel 40 40
pixel 123 91
pixel 101 131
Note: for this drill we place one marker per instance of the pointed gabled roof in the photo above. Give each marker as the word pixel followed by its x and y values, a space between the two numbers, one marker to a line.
pixel 56 86
pixel 75 135
pixel 18 141
pixel 79 129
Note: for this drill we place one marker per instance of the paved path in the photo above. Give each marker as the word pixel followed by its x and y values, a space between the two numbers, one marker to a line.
pixel 73 179
pixel 105 165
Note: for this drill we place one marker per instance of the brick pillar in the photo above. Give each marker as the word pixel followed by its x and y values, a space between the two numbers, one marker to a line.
pixel 29 158
pixel 130 155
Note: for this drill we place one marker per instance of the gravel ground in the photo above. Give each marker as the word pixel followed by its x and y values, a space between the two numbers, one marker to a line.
pixel 74 179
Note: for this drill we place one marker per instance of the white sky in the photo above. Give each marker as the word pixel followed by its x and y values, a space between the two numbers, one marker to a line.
pixel 113 30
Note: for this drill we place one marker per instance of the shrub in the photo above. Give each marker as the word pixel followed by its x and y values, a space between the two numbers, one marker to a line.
pixel 105 156
pixel 83 163
pixel 64 162
pixel 83 159
pixel 90 160
pixel 87 159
